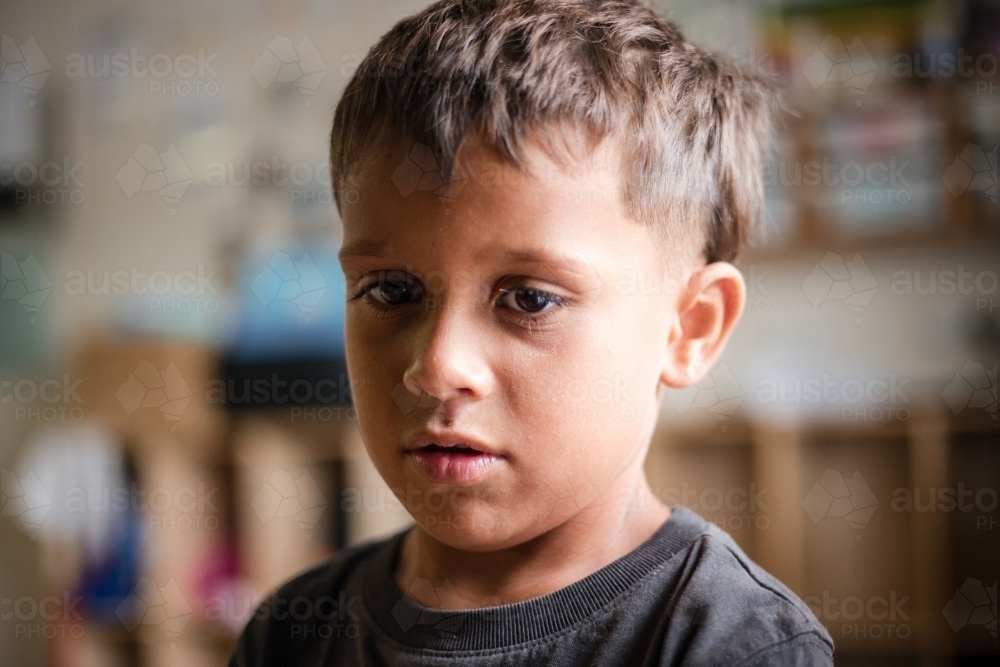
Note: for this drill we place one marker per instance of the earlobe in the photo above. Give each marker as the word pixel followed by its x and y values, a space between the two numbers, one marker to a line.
pixel 707 311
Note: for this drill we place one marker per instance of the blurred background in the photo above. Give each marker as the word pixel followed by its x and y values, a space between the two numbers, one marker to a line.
pixel 176 431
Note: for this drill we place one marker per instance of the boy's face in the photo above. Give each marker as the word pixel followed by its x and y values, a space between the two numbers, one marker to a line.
pixel 528 318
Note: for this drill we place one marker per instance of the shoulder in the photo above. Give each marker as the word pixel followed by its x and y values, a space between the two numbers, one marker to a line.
pixel 312 597
pixel 730 611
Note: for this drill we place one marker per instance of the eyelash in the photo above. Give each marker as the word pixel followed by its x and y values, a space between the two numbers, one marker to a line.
pixel 526 319
pixel 379 309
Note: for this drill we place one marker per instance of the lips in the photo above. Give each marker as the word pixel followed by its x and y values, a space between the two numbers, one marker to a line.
pixel 451 459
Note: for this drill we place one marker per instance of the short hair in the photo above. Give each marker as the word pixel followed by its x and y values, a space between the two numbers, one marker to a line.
pixel 690 127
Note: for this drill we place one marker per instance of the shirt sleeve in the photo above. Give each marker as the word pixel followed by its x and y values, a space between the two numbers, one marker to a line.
pixel 805 650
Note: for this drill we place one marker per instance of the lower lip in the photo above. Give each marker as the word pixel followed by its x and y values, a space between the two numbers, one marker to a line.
pixel 446 468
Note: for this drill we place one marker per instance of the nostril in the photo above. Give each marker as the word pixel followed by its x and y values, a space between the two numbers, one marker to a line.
pixel 411 384
pixel 447 373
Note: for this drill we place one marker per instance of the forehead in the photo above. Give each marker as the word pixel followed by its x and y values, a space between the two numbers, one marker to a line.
pixel 400 186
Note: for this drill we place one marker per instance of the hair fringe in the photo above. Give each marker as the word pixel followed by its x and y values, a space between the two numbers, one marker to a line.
pixel 691 128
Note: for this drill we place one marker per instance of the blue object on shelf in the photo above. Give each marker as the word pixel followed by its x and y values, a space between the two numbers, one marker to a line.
pixel 291 304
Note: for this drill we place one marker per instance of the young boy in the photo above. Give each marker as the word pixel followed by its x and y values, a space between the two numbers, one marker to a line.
pixel 540 199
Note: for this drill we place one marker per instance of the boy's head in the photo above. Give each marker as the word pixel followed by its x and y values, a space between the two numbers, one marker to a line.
pixel 539 199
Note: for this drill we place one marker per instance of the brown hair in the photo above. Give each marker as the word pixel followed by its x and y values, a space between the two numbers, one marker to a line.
pixel 690 128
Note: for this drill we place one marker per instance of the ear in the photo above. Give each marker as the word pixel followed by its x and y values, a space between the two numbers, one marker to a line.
pixel 707 310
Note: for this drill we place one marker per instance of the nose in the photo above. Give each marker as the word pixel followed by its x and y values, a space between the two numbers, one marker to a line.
pixel 449 362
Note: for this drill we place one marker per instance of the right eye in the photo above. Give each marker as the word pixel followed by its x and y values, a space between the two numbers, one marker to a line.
pixel 390 292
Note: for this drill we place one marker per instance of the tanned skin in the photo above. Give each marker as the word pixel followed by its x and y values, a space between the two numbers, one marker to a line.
pixel 526 314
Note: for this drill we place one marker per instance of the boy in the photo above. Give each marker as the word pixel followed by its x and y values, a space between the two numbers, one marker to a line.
pixel 540 199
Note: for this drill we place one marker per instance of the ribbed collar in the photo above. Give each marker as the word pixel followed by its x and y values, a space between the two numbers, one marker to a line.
pixel 411 624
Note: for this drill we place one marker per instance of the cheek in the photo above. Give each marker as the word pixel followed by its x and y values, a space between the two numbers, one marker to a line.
pixel 374 377
pixel 583 408
pixel 376 361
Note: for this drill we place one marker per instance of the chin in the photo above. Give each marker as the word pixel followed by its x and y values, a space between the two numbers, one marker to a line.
pixel 473 528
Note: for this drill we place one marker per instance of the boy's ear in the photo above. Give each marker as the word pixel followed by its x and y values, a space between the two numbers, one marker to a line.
pixel 707 310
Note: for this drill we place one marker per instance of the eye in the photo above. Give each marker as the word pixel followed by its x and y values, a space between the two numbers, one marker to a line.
pixel 529 300
pixel 389 292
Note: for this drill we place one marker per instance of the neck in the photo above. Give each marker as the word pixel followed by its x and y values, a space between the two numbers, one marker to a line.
pixel 605 530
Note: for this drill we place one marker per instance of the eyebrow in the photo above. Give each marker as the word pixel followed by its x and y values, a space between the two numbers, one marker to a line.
pixel 577 271
pixel 369 248
pixel 537 257
pixel 364 248
pixel 381 249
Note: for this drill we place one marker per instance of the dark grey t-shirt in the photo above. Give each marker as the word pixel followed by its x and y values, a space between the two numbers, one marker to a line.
pixel 686 596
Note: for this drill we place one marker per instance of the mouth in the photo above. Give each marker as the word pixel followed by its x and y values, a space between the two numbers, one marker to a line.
pixel 458 450
pixel 457 463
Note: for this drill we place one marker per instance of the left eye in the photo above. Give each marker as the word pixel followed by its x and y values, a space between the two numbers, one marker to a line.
pixel 528 300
